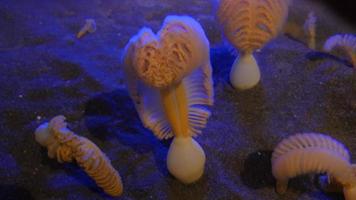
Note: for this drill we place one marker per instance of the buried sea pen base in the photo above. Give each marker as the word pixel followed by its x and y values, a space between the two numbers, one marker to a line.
pixel 281 186
pixel 186 159
pixel 245 72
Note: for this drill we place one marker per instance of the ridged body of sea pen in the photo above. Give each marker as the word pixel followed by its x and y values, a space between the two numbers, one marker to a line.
pixel 346 42
pixel 310 152
pixel 310 30
pixel 65 146
pixel 249 25
pixel 168 76
pixel 89 27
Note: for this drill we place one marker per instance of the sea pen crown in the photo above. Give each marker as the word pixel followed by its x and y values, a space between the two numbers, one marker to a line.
pixel 164 59
pixel 249 24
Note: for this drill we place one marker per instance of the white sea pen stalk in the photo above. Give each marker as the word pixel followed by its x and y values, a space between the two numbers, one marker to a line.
pixel 186 158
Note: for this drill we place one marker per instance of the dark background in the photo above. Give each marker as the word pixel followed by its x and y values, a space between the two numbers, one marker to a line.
pixel 344 8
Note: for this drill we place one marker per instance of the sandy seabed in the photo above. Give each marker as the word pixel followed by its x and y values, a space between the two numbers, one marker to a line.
pixel 46 71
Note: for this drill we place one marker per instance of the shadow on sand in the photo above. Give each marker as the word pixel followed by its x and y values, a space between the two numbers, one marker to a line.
pixel 113 115
pixel 12 192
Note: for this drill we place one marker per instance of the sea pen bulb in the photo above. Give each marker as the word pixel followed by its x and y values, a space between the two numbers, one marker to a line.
pixel 42 134
pixel 186 159
pixel 245 72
